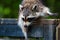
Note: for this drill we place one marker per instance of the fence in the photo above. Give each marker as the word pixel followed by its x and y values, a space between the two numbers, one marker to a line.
pixel 46 30
pixel 58 32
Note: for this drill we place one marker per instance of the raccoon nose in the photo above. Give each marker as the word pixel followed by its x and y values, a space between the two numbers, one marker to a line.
pixel 25 26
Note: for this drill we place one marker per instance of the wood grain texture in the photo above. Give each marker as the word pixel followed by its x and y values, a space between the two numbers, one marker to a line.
pixel 9 27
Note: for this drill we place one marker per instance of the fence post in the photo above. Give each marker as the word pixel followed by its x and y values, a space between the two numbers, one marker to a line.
pixel 49 30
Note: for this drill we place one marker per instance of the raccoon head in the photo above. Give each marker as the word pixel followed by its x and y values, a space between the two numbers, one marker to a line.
pixel 31 9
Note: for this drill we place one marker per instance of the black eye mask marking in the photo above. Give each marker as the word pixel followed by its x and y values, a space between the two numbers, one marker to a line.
pixel 29 19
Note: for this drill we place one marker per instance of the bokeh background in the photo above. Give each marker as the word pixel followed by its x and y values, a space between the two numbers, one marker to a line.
pixel 10 8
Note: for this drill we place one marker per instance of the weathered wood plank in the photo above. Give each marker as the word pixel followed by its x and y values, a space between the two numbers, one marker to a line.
pixel 58 32
pixel 9 27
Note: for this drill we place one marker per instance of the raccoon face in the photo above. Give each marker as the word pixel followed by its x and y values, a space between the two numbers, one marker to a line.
pixel 30 10
pixel 29 14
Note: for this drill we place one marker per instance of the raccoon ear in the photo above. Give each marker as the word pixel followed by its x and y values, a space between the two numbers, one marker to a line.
pixel 34 7
pixel 20 7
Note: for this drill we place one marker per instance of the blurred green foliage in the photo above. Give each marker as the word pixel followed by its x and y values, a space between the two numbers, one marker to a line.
pixel 10 8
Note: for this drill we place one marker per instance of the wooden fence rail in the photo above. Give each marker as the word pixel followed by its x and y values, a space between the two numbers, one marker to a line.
pixel 9 27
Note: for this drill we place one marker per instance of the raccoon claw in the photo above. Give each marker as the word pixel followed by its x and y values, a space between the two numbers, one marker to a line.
pixel 55 14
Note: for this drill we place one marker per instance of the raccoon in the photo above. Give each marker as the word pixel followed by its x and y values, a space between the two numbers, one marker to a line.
pixel 31 11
